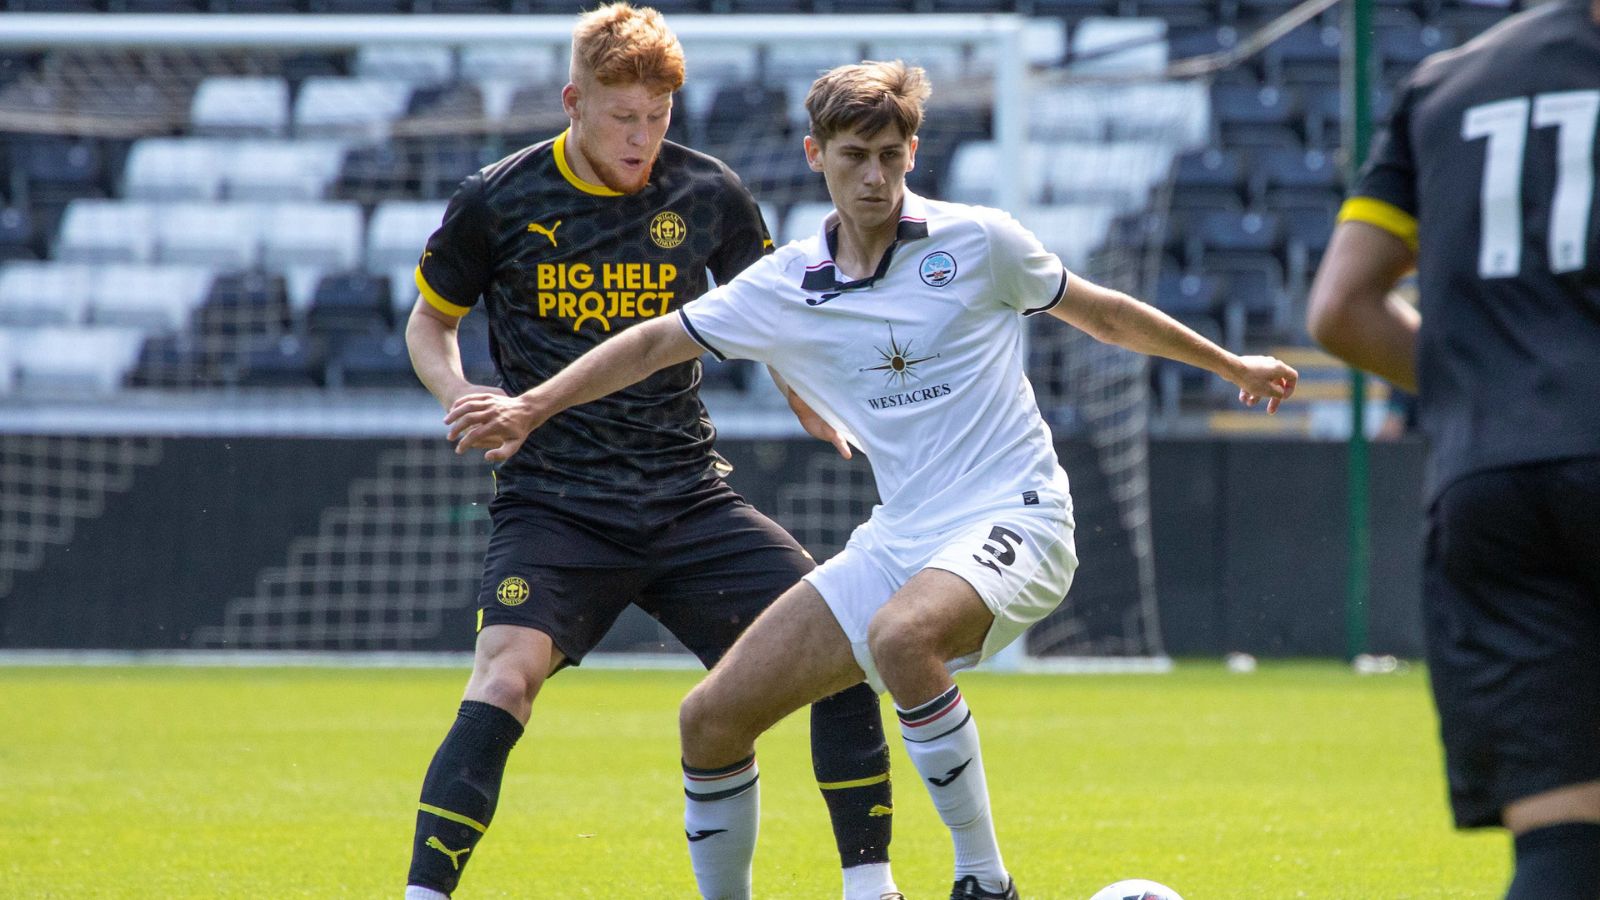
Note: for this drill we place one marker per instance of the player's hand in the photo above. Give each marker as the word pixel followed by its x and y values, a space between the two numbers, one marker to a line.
pixel 816 426
pixel 1264 377
pixel 492 422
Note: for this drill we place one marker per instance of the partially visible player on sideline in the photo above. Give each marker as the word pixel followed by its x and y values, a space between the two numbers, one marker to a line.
pixel 570 243
pixel 901 323
pixel 1485 182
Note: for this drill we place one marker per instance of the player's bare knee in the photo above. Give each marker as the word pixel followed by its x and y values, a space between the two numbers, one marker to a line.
pixel 509 685
pixel 896 641
pixel 707 729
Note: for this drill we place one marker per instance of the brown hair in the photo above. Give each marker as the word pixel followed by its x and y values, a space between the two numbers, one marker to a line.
pixel 622 44
pixel 867 97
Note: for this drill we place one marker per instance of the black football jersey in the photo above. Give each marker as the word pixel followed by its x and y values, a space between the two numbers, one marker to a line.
pixel 1488 168
pixel 560 265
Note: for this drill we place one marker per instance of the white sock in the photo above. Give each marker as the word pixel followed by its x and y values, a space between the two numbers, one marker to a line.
pixel 868 882
pixel 942 741
pixel 720 816
pixel 418 892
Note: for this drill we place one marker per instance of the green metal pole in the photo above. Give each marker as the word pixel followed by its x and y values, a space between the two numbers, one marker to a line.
pixel 1357 136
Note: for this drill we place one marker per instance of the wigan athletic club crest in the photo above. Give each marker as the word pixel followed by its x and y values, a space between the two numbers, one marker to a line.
pixel 938 268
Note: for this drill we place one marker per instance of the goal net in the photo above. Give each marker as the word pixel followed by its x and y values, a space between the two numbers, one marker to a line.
pixel 234 205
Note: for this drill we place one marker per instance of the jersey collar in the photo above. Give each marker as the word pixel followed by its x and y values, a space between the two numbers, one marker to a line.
pixel 822 275
pixel 573 178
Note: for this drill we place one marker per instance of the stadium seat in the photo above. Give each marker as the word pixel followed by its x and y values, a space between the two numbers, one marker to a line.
pixel 17 235
pixel 414 64
pixel 442 162
pixel 376 172
pixel 1255 304
pixel 1210 168
pixel 107 231
pixel 174 169
pixel 8 362
pixel 269 170
pixel 460 102
pixel 245 106
pixel 1249 104
pixel 355 107
pixel 745 111
pixel 313 234
pixel 287 362
pixel 54 166
pixel 1074 112
pixel 350 303
pixel 974 170
pixel 226 235
pixel 377 360
pixel 1186 294
pixel 156 299
pixel 1071 231
pixel 774 168
pixel 1176 113
pixel 45 293
pixel 173 361
pixel 1282 169
pixel 1190 42
pixel 57 360
pixel 402 291
pixel 1208 232
pixel 397 233
pixel 1105 45
pixel 1177 13
pixel 244 304
pixel 1307 55
pixel 1307 227
pixel 1119 173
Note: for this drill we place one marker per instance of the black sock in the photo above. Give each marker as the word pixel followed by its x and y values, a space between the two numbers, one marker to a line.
pixel 1558 861
pixel 459 793
pixel 851 761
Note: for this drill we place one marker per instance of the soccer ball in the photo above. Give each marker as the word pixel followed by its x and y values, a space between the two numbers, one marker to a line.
pixel 1136 889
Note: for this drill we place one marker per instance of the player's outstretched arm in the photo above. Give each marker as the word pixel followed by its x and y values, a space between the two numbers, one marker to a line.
pixel 498 424
pixel 1116 318
pixel 1352 311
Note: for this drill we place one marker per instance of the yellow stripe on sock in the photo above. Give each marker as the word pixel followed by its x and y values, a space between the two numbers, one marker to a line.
pixel 859 782
pixel 453 817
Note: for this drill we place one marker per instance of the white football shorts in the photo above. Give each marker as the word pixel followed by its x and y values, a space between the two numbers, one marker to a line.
pixel 1020 560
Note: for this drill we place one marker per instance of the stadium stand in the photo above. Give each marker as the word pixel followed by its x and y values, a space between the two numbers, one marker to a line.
pixel 309 179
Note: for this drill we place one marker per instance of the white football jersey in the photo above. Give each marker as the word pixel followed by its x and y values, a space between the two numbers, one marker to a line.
pixel 920 365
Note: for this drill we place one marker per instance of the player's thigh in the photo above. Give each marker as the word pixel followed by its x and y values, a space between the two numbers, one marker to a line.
pixel 717 564
pixel 935 611
pixel 538 574
pixel 1513 640
pixel 794 654
pixel 1019 564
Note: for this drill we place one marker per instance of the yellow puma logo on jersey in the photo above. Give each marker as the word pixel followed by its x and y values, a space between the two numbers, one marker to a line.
pixel 455 855
pixel 536 228
pixel 878 809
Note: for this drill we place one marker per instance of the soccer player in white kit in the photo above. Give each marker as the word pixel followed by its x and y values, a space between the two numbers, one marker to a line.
pixel 896 329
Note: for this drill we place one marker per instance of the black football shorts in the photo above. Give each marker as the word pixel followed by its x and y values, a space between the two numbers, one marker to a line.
pixel 1511 595
pixel 702 562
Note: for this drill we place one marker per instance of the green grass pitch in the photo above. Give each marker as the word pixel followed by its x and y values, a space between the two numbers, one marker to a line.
pixel 1300 780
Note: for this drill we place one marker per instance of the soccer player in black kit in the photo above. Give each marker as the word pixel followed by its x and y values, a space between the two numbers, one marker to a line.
pixel 1485 182
pixel 569 242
